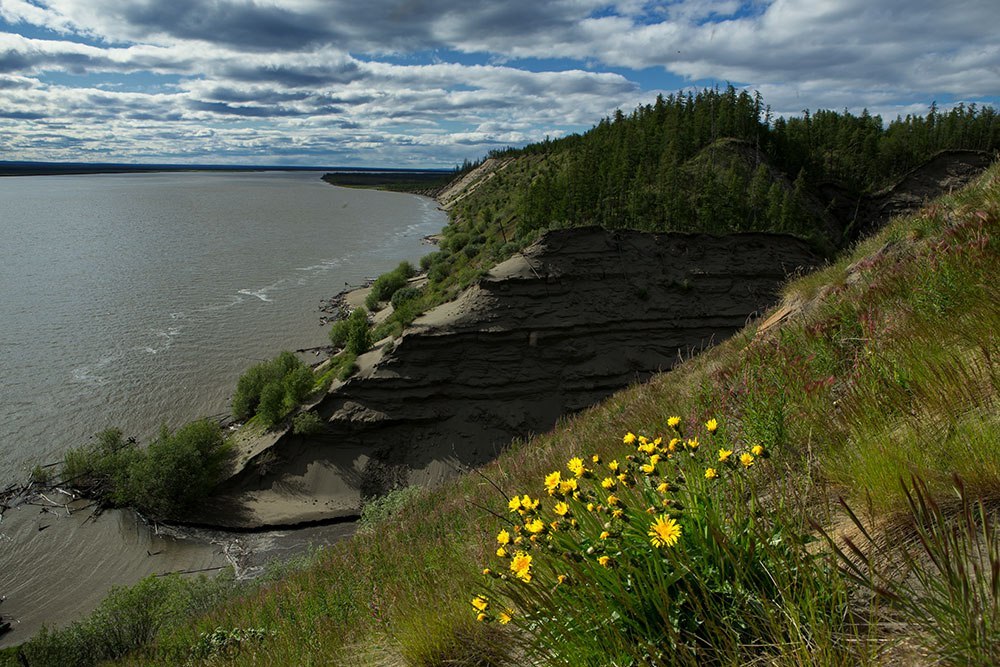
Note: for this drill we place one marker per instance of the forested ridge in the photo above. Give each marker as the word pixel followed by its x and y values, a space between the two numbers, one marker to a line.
pixel 718 161
pixel 715 161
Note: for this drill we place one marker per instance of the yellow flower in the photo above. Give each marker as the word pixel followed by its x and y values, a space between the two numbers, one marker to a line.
pixel 663 487
pixel 590 507
pixel 518 539
pixel 503 537
pixel 515 504
pixel 595 458
pixel 657 442
pixel 605 561
pixel 693 443
pixel 604 535
pixel 480 603
pixel 561 579
pixel 629 438
pixel 746 460
pixel 672 445
pixel 520 565
pixel 648 468
pixel 711 473
pixel 554 526
pixel 528 504
pixel 612 500
pixel 504 617
pixel 674 422
pixel 664 532
pixel 575 466
pixel 609 483
pixel 712 425
pixel 567 486
pixel 618 514
pixel 613 466
pixel 501 552
pixel 562 509
pixel 487 571
pixel 647 448
pixel 481 616
pixel 623 478
pixel 552 482
pixel 724 455
pixel 534 526
pixel 654 459
pixel 757 450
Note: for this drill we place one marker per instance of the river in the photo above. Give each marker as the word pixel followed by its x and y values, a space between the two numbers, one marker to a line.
pixel 136 300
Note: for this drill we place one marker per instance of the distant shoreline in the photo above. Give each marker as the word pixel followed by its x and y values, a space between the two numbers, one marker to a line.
pixel 81 168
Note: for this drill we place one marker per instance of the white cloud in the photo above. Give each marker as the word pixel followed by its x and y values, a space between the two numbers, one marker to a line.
pixel 387 78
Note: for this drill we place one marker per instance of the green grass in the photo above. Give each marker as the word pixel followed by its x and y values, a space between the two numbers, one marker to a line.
pixel 888 370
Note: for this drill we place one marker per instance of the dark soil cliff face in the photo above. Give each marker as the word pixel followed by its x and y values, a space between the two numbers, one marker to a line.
pixel 579 315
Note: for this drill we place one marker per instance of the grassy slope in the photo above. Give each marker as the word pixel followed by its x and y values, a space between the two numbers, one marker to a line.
pixel 889 367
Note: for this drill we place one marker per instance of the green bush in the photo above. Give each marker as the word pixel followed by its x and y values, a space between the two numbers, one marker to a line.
pixel 172 474
pixel 101 467
pixel 404 294
pixel 127 619
pixel 359 338
pixel 306 423
pixel 378 511
pixel 352 333
pixel 386 285
pixel 272 389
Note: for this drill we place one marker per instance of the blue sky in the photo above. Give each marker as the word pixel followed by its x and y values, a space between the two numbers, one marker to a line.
pixel 434 82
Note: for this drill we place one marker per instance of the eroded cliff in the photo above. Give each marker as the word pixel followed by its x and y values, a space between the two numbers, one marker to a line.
pixel 578 315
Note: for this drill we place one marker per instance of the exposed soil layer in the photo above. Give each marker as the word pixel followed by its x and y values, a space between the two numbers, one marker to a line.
pixel 577 316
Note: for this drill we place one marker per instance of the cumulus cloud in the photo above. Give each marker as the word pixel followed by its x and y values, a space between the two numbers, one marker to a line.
pixel 407 80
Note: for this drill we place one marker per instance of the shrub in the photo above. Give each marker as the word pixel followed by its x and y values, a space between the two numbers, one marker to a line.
pixel 359 339
pixel 101 467
pixel 386 285
pixel 306 423
pixel 40 475
pixel 380 510
pixel 272 389
pixel 403 295
pixel 127 619
pixel 174 472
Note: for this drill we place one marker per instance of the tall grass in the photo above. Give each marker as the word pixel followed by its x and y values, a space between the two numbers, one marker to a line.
pixel 942 575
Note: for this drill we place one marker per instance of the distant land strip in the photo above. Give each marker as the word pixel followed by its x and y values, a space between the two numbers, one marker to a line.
pixel 382 174
pixel 420 181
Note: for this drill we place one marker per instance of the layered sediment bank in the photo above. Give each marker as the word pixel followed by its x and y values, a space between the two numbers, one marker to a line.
pixel 578 315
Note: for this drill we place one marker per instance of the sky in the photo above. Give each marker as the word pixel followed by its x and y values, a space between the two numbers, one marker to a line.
pixel 430 83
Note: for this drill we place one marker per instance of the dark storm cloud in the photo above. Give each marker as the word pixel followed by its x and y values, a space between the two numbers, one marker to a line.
pixel 21 115
pixel 243 24
pixel 252 95
pixel 251 111
pixel 14 61
pixel 16 82
pixel 293 75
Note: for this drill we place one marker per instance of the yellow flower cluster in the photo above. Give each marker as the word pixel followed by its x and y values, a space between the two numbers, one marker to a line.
pixel 598 508
pixel 482 606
